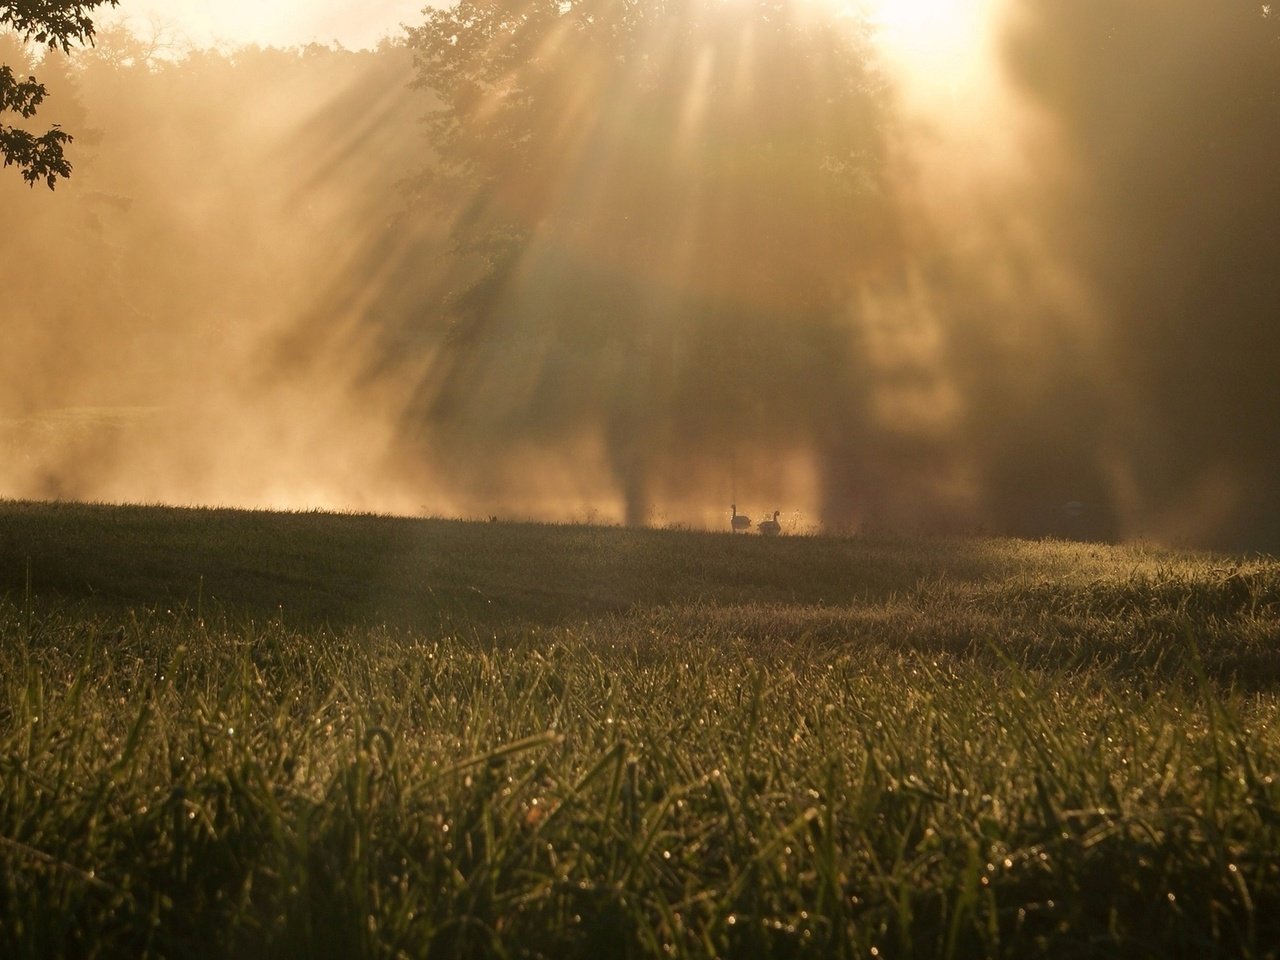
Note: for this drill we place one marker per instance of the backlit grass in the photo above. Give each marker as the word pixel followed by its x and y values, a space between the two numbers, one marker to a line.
pixel 627 744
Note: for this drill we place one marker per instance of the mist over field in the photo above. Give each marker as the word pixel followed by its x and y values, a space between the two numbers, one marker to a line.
pixel 634 265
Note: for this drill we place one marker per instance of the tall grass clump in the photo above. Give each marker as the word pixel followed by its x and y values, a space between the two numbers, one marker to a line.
pixel 675 782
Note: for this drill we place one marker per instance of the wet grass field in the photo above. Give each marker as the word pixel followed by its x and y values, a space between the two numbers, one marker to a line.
pixel 248 734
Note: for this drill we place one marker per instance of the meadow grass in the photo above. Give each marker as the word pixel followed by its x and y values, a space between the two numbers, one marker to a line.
pixel 240 734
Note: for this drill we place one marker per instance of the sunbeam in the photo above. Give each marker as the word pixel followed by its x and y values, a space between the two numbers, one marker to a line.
pixel 938 47
pixel 874 264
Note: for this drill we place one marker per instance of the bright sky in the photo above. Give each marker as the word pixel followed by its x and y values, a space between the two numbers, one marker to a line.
pixel 927 34
pixel 354 23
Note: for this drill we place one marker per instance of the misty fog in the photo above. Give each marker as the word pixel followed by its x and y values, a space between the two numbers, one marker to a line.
pixel 620 263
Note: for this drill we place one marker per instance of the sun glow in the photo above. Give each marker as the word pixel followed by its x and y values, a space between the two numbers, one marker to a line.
pixel 938 45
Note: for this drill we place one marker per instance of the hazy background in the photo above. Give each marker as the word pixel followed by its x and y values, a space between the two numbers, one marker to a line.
pixel 281 23
pixel 1015 276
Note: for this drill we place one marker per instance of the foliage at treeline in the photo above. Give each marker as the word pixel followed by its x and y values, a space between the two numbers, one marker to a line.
pixel 58 24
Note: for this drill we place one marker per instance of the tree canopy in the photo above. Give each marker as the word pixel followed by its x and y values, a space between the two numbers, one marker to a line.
pixel 751 130
pixel 56 24
pixel 655 196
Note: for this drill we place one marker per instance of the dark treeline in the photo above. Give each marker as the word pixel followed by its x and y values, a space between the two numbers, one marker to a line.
pixel 637 261
pixel 1170 121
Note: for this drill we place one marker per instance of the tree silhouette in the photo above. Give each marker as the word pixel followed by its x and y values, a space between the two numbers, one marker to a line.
pixel 664 207
pixel 57 24
pixel 1170 113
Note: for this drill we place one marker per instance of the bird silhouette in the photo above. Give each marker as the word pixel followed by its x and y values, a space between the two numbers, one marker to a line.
pixel 770 528
pixel 739 521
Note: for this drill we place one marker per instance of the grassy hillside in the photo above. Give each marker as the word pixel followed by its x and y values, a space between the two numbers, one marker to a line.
pixel 1054 602
pixel 360 568
pixel 249 734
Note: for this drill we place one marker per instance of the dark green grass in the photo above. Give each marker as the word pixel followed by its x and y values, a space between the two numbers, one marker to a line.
pixel 371 569
pixel 230 734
